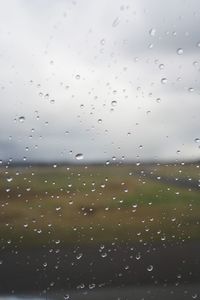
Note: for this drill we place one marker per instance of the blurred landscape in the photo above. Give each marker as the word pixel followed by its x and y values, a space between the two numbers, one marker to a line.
pixel 102 203
pixel 82 226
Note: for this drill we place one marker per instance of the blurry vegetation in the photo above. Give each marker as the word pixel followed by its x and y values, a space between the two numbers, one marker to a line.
pixel 43 206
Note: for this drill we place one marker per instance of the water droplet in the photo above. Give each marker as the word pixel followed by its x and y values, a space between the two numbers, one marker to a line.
pixel 102 42
pixel 66 297
pixel 191 90
pixel 161 66
pixel 52 101
pixel 164 80
pixel 21 119
pixel 99 121
pixel 197 140
pixel 138 256
pixel 114 103
pixel 79 156
pixel 198 44
pixel 150 268
pixel 78 77
pixel 115 22
pixel 9 179
pixel 158 100
pixel 152 31
pixel 92 286
pixel 78 256
pixel 179 51
pixel 104 254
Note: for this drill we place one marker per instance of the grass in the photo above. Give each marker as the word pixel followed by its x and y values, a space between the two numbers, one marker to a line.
pixel 43 206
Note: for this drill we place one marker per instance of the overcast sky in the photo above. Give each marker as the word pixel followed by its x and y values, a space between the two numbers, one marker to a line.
pixel 109 78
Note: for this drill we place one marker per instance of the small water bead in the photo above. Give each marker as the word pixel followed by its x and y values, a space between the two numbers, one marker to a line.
pixel 150 268
pixel 79 256
pixel 102 42
pixel 191 90
pixel 91 286
pixel 66 297
pixel 197 140
pixel 195 63
pixel 79 156
pixel 198 44
pixel 9 179
pixel 151 46
pixel 161 66
pixel 164 80
pixel 46 96
pixel 78 77
pixel 99 121
pixel 152 31
pixel 138 256
pixel 21 119
pixel 158 100
pixel 115 22
pixel 114 103
pixel 104 254
pixel 179 51
pixel 52 101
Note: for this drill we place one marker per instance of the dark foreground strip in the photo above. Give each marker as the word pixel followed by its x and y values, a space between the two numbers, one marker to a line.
pixel 121 265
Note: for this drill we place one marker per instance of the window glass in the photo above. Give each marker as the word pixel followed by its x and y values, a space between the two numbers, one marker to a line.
pixel 99 149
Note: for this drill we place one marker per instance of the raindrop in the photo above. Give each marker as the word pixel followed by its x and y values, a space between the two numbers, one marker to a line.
pixel 179 51
pixel 21 119
pixel 9 179
pixel 161 66
pixel 79 156
pixel 104 254
pixel 150 268
pixel 197 140
pixel 115 22
pixel 152 31
pixel 114 103
pixel 78 77
pixel 191 90
pixel 138 256
pixel 78 256
pixel 91 286
pixel 164 80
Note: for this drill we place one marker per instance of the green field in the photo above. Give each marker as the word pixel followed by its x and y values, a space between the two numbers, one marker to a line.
pixel 46 206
